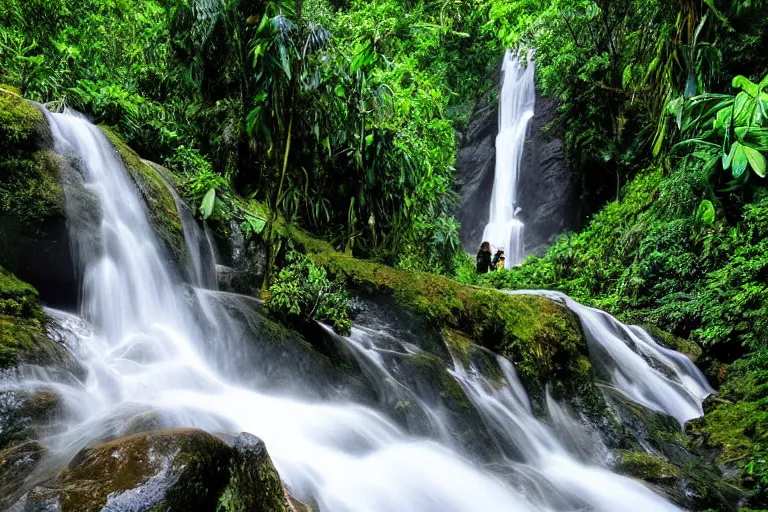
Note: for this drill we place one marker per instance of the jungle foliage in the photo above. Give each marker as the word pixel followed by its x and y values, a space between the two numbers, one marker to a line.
pixel 340 116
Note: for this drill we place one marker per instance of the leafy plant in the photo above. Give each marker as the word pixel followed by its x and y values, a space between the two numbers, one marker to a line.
pixel 303 292
pixel 729 130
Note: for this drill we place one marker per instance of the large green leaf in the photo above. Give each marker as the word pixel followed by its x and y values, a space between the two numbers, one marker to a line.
pixel 705 213
pixel 722 118
pixel 745 84
pixel 739 160
pixel 206 208
pixel 756 160
pixel 743 109
pixel 257 224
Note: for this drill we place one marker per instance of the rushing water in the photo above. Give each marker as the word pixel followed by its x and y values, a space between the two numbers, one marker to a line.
pixel 150 344
pixel 516 104
pixel 647 373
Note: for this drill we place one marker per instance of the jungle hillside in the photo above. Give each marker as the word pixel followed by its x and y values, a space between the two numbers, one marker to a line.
pixel 316 146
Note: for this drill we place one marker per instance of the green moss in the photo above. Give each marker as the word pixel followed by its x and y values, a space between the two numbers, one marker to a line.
pixel 17 298
pixel 19 121
pixel 735 422
pixel 254 483
pixel 161 206
pixel 541 337
pixel 30 189
pixel 198 459
pixel 434 370
pixel 687 347
pixel 22 331
pixel 646 466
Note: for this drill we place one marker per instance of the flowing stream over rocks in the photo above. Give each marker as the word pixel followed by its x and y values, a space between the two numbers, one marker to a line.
pixel 151 345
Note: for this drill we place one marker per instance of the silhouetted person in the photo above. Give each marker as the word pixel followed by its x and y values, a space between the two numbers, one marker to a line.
pixel 483 259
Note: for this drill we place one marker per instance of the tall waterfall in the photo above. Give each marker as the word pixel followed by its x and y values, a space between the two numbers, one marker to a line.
pixel 516 104
pixel 149 343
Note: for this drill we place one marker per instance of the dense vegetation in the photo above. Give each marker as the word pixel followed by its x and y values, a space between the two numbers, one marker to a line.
pixel 342 115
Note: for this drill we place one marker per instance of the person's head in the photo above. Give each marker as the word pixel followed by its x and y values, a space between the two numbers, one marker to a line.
pixel 486 246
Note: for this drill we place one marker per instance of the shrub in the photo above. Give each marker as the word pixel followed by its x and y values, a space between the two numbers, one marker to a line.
pixel 302 292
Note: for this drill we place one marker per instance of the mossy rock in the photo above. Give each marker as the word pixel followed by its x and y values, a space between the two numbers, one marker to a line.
pixel 647 466
pixel 16 464
pixel 665 339
pixel 34 241
pixel 22 325
pixel 172 470
pixel 542 338
pixel 161 207
pixel 18 298
pixel 23 412
pixel 735 424
pixel 469 353
pixel 22 126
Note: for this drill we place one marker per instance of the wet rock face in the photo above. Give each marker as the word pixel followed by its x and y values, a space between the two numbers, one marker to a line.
pixel 34 242
pixel 16 464
pixel 172 470
pixel 475 165
pixel 547 190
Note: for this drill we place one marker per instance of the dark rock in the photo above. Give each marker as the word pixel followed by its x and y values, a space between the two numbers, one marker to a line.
pixel 257 351
pixel 547 190
pixel 16 464
pixel 248 259
pixel 22 413
pixel 34 241
pixel 475 165
pixel 254 484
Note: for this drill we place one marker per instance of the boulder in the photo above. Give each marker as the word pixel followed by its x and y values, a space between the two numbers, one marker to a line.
pixel 154 188
pixel 172 470
pixel 16 464
pixel 34 242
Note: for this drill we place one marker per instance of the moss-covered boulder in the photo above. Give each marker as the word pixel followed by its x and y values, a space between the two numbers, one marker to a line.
pixel 34 242
pixel 687 347
pixel 172 470
pixel 23 336
pixel 161 206
pixel 735 426
pixel 543 338
pixel 647 466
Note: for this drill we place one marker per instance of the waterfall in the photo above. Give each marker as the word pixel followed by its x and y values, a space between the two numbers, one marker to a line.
pixel 150 344
pixel 647 373
pixel 516 104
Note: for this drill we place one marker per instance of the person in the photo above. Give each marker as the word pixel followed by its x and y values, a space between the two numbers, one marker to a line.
pixel 498 260
pixel 483 259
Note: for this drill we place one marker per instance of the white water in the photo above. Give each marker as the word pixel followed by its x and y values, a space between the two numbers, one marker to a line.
pixel 563 482
pixel 149 343
pixel 659 378
pixel 516 105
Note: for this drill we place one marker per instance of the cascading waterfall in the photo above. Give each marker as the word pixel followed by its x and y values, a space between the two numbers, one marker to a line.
pixel 658 378
pixel 149 343
pixel 516 104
